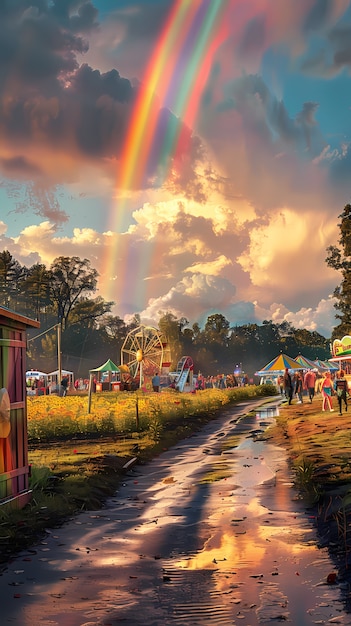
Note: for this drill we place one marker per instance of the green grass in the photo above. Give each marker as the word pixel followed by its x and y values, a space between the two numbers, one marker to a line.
pixel 77 471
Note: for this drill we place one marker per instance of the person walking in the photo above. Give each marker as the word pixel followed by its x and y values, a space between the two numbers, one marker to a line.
pixel 341 388
pixel 288 385
pixel 326 390
pixel 309 382
pixel 64 386
pixel 299 387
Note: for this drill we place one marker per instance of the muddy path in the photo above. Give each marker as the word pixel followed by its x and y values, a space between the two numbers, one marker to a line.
pixel 210 532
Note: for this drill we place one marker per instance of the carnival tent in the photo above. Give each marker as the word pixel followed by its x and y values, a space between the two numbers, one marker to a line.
pixel 54 379
pixel 308 364
pixel 109 366
pixel 327 365
pixel 279 365
pixel 35 374
pixel 63 373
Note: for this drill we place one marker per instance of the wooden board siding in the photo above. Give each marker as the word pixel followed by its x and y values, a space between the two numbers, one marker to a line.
pixel 14 474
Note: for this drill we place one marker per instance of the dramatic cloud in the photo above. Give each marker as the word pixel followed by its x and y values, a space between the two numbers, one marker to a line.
pixel 244 163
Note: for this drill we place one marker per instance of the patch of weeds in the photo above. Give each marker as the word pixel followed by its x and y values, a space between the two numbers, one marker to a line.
pixel 155 429
pixel 40 478
pixel 305 479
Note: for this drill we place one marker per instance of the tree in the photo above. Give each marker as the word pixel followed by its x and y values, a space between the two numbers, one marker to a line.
pixel 71 278
pixel 87 311
pixel 339 258
pixel 217 329
pixel 171 328
pixel 115 327
pixel 35 286
pixel 312 344
pixel 10 274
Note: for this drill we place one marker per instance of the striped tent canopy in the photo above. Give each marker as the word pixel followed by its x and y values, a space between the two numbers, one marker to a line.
pixel 279 364
pixel 332 367
pixel 308 364
pixel 109 366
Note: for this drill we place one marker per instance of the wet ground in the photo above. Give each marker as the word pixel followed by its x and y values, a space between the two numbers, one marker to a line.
pixel 210 532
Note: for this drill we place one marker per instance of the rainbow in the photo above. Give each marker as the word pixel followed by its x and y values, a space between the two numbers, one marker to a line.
pixel 175 78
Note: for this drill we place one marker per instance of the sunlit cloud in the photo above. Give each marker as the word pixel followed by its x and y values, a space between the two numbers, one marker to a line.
pixel 238 218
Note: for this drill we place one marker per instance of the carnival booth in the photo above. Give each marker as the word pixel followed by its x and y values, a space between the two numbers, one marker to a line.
pixel 36 383
pixel 104 378
pixel 341 358
pixel 276 367
pixel 14 468
pixel 107 377
pixel 54 382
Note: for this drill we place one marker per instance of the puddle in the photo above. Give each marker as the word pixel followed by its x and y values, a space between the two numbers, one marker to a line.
pixel 173 547
pixel 268 411
pixel 261 547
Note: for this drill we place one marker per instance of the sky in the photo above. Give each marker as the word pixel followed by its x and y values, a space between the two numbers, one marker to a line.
pixel 197 152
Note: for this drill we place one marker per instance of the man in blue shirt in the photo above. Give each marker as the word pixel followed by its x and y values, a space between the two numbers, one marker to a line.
pixel 156 382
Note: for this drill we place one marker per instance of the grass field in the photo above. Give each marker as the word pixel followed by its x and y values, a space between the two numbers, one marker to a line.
pixel 77 458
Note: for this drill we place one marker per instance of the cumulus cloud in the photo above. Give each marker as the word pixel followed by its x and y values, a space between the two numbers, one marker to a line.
pixel 210 268
pixel 239 217
pixel 59 115
pixel 285 252
pixel 320 319
pixel 191 297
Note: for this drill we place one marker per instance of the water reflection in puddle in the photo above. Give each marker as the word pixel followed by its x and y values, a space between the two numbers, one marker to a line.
pixel 260 545
pixel 210 532
pixel 269 410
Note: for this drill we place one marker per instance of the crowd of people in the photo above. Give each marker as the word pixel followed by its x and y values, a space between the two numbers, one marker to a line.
pixel 307 385
pixel 221 381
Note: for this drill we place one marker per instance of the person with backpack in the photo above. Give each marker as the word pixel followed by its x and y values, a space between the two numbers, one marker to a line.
pixel 341 388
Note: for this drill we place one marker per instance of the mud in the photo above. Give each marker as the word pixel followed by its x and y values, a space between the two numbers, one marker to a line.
pixel 210 532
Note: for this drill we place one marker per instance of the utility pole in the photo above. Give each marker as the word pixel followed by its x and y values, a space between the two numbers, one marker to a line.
pixel 59 363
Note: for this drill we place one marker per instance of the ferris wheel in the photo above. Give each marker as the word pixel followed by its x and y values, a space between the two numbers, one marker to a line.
pixel 143 351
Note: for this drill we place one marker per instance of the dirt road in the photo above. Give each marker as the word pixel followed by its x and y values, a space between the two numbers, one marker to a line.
pixel 210 532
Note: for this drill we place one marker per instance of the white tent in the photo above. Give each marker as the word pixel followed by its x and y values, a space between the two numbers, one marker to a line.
pixel 35 380
pixel 35 374
pixel 53 376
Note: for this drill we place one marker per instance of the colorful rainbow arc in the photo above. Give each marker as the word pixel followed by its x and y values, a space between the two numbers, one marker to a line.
pixel 182 57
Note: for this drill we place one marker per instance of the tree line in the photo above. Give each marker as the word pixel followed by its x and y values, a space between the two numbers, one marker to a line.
pixel 64 294
pixel 339 258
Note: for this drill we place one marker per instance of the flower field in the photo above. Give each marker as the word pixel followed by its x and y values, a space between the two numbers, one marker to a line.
pixel 123 413
pixel 76 456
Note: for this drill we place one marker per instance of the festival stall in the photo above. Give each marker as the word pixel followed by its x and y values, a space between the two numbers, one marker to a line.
pixel 54 382
pixel 96 377
pixel 107 377
pixel 36 382
pixel 341 359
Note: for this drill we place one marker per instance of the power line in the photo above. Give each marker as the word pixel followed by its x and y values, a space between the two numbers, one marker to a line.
pixel 43 333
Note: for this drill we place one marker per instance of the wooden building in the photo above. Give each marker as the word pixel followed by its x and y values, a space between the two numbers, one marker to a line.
pixel 14 469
